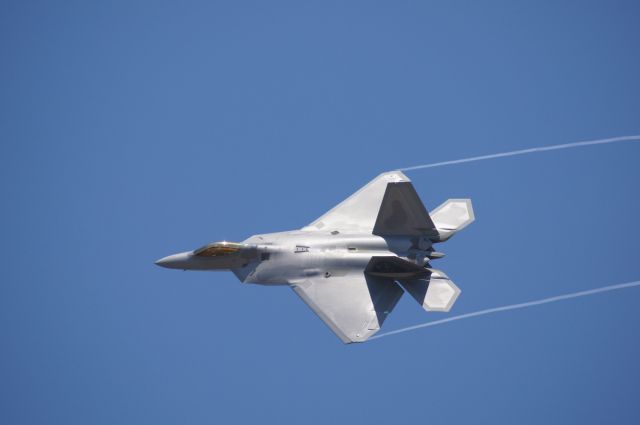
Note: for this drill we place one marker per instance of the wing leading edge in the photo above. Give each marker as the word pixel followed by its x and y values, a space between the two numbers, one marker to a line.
pixel 386 205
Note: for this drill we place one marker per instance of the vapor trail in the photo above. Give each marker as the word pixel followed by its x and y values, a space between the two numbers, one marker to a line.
pixel 527 151
pixel 513 307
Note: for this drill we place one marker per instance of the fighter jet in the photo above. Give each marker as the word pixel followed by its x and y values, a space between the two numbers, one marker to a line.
pixel 351 265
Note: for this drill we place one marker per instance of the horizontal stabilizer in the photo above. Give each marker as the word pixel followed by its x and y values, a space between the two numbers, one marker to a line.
pixel 435 292
pixel 452 216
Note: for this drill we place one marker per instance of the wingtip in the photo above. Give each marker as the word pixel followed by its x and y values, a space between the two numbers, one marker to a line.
pixel 394 176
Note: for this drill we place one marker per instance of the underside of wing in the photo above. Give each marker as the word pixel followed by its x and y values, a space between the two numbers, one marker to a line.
pixel 353 306
pixel 359 212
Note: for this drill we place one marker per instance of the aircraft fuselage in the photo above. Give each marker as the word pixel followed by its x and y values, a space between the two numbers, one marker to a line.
pixel 286 257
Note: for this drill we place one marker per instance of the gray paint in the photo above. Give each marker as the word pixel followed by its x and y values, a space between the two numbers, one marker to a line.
pixel 347 264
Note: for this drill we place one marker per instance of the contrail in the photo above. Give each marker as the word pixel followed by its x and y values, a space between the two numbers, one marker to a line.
pixel 529 303
pixel 527 151
pixel 513 307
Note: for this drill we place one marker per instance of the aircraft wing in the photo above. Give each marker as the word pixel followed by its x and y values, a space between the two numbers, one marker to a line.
pixel 388 205
pixel 353 306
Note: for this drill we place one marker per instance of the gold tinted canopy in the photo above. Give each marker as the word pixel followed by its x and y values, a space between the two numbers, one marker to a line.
pixel 218 249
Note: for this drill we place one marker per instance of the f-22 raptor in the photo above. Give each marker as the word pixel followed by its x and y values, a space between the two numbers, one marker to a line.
pixel 351 265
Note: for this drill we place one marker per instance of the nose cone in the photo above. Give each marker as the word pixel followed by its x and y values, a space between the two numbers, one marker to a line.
pixel 175 261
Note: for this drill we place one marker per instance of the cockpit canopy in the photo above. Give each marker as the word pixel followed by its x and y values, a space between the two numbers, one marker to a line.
pixel 218 249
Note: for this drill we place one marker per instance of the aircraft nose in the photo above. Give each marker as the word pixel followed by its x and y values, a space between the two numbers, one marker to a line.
pixel 163 261
pixel 175 261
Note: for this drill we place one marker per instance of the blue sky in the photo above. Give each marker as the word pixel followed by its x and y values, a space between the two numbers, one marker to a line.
pixel 133 130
